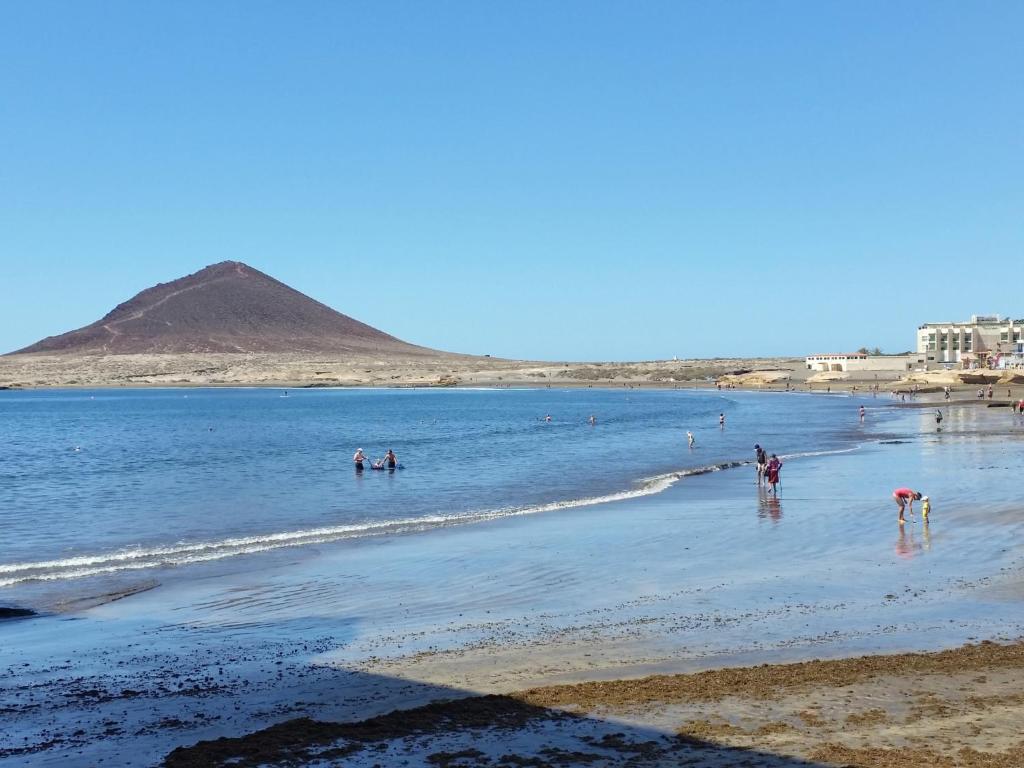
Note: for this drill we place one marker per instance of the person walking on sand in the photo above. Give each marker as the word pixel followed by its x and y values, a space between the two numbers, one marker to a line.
pixel 905 497
pixel 689 439
pixel 358 459
pixel 761 457
pixel 772 473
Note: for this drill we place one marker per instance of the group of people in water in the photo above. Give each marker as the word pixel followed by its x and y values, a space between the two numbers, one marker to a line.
pixel 769 467
pixel 360 459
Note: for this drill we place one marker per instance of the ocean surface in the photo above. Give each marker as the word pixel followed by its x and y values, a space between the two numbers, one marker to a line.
pixel 208 563
pixel 102 482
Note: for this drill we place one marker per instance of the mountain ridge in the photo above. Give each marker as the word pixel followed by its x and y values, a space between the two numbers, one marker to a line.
pixel 225 307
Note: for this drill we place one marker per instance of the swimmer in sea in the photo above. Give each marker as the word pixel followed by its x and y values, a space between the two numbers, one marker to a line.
pixel 905 497
pixel 592 420
pixel 358 459
pixel 390 460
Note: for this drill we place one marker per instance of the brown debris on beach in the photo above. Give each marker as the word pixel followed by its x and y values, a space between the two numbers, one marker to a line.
pixel 956 708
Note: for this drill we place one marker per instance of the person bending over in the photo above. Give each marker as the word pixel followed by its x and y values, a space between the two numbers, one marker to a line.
pixel 905 497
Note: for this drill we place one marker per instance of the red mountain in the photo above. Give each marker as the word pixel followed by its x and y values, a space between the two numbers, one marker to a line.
pixel 226 307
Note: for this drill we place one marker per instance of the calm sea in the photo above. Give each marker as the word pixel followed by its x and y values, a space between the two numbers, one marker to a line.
pixel 100 482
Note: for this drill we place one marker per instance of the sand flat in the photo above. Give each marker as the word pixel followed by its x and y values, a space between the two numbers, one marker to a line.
pixel 958 707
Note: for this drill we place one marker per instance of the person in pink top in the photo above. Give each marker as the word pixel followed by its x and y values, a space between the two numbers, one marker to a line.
pixel 905 497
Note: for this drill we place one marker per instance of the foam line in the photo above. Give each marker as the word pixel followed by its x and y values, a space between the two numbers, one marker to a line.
pixel 198 552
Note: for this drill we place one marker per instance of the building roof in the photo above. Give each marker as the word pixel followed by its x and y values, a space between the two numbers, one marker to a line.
pixel 840 354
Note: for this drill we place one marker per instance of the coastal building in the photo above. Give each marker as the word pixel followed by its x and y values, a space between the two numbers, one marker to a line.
pixel 980 343
pixel 853 362
pixel 1014 359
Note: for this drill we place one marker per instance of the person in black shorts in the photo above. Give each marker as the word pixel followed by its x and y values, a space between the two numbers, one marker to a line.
pixel 762 462
pixel 358 459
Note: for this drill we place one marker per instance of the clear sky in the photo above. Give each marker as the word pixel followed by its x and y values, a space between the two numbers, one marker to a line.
pixel 553 180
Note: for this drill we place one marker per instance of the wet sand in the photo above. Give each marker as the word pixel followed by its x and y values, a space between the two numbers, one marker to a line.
pixel 959 707
pixel 708 575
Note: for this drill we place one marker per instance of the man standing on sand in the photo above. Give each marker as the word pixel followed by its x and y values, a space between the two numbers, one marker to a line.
pixel 905 497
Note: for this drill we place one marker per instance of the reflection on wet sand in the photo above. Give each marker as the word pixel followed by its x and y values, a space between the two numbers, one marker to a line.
pixel 907 545
pixel 768 505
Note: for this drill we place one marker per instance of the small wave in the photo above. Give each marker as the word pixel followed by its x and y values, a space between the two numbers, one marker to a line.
pixel 200 552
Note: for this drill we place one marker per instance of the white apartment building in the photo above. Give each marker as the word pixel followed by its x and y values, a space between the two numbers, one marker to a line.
pixel 981 343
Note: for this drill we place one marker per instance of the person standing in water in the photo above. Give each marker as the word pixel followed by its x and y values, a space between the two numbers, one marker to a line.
pixel 905 497
pixel 592 420
pixel 358 459
pixel 390 460
pixel 761 456
pixel 862 413
pixel 772 472
pixel 689 439
pixel 721 420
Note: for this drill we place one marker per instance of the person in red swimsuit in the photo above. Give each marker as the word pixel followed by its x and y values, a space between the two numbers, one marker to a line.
pixel 905 497
pixel 772 473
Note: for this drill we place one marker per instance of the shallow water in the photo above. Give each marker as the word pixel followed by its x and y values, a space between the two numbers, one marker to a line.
pixel 98 482
pixel 710 571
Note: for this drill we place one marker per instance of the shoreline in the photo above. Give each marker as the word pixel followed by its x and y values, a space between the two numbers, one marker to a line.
pixel 164 557
pixel 591 594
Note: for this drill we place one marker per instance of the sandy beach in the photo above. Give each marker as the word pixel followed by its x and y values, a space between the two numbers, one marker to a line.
pixel 952 708
pixel 630 632
pixel 43 371
pixel 295 370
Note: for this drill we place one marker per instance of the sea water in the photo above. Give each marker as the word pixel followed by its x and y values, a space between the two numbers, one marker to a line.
pixel 510 551
pixel 96 482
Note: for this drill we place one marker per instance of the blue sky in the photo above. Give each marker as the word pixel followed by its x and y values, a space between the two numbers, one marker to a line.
pixel 541 180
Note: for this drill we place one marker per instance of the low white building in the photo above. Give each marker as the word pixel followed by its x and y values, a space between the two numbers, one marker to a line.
pixel 853 362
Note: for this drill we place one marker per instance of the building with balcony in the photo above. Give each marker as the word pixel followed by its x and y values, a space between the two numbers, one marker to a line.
pixel 979 343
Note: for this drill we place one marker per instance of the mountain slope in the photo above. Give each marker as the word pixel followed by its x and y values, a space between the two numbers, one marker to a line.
pixel 226 307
